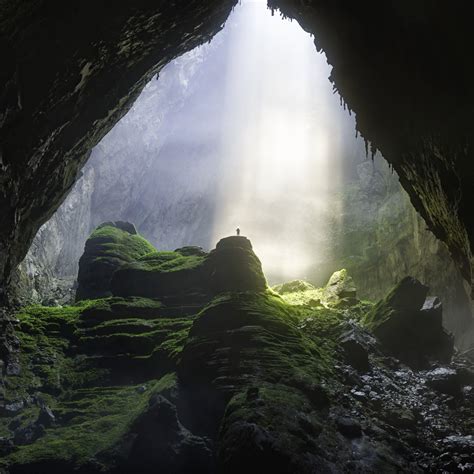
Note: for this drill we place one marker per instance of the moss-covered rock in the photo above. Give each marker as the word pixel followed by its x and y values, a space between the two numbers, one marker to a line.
pixel 94 368
pixel 231 266
pixel 160 274
pixel 110 246
pixel 340 290
pixel 248 369
pixel 410 325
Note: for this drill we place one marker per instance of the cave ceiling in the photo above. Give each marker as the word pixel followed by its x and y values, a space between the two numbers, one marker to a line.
pixel 72 69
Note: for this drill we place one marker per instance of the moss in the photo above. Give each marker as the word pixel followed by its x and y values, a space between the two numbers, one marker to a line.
pixel 167 262
pixel 284 413
pixel 93 414
pixel 113 242
pixel 305 297
pixel 107 249
pixel 263 332
pixel 99 418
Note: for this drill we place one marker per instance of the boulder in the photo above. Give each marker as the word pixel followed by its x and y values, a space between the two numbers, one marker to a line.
pixel 445 380
pixel 110 246
pixel 355 348
pixel 409 325
pixel 340 290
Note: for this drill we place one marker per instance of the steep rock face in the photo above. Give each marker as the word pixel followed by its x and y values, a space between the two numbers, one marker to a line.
pixel 386 68
pixel 176 212
pixel 110 246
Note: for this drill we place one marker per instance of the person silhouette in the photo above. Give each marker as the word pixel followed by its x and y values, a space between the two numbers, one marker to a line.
pixel 238 231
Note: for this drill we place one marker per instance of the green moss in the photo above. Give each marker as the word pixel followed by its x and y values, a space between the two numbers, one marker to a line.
pixel 99 418
pixel 283 412
pixel 264 330
pixel 167 262
pixel 378 315
pixel 106 250
pixel 94 413
pixel 111 242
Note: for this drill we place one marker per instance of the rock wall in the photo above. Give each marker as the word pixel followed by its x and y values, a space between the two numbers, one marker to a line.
pixel 380 238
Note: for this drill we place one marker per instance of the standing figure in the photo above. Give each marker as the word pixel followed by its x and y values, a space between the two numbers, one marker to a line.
pixel 238 231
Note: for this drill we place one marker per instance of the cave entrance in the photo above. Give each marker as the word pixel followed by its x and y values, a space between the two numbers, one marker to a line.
pixel 246 132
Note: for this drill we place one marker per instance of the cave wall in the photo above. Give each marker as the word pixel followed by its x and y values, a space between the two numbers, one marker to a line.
pixel 69 72
pixel 380 238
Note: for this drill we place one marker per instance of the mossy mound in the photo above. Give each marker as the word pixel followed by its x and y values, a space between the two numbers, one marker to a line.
pixel 293 286
pixel 109 247
pixel 91 424
pixel 231 266
pixel 160 274
pixel 339 292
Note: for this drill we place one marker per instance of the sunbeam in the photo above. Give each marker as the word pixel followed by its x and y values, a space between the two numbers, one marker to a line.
pixel 281 144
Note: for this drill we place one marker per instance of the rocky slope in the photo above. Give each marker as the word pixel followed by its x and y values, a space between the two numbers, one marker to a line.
pixel 214 372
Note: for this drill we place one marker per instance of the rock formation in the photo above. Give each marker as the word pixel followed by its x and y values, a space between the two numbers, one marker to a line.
pixel 410 325
pixel 216 373
pixel 109 247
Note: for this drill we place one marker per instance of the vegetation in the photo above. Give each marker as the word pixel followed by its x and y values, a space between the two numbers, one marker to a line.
pixel 167 262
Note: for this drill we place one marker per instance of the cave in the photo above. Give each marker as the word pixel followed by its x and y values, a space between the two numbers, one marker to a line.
pixel 236 236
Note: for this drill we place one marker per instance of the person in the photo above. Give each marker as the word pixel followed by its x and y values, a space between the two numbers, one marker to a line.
pixel 238 231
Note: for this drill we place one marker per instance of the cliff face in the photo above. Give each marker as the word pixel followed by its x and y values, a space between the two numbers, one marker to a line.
pixel 380 238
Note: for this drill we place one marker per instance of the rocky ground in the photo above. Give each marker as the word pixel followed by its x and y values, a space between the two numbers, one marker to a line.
pixel 187 362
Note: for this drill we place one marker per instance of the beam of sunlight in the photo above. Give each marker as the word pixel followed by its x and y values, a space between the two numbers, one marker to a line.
pixel 281 144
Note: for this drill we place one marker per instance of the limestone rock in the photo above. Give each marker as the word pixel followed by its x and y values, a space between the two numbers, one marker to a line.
pixel 410 326
pixel 161 440
pixel 356 348
pixel 340 290
pixel 292 286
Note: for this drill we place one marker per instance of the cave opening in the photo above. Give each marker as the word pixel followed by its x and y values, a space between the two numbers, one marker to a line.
pixel 246 131
pixel 234 284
